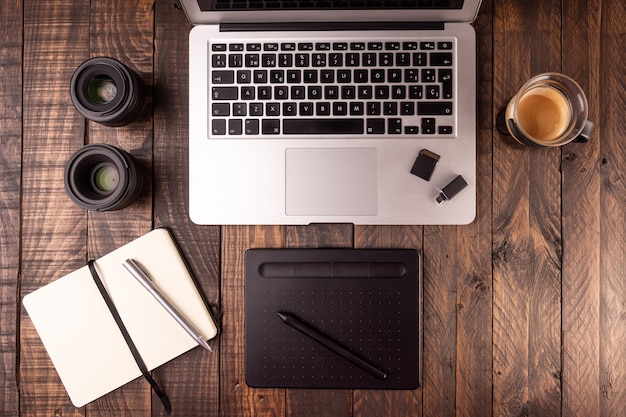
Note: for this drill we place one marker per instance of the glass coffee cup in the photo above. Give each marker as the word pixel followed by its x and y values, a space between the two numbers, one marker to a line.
pixel 549 110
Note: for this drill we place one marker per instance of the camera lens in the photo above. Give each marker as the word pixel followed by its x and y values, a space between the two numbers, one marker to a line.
pixel 106 91
pixel 102 177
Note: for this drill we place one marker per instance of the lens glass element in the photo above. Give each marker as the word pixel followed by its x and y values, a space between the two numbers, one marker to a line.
pixel 102 89
pixel 106 178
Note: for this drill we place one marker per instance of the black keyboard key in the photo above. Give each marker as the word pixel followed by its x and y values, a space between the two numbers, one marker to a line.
pixel 445 78
pixel 394 126
pixel 260 76
pixel 221 109
pixel 428 126
pixel 447 45
pixel 365 92
pixel 357 108
pixel 252 60
pixel 353 60
pixel 434 108
pixel 322 108
pixel 218 60
pixel 285 60
pixel 445 130
pixel 441 59
pixel 244 77
pixel 272 109
pixel 357 46
pixel 248 93
pixel 251 127
pixel 302 60
pixel 271 126
pixel 411 130
pixel 290 109
pixel 340 108
pixel 264 93
pixel 256 109
pixel 225 93
pixel 432 92
pixel 322 46
pixel 403 59
pixel 426 46
pixel 428 75
pixel 407 108
pixel 322 126
pixel 240 109
pixel 218 47
pixel 235 127
pixel 268 60
pixel 306 108
pixel 390 108
pixel 373 108
pixel 222 77
pixel 419 59
pixel 385 59
pixel 218 126
pixel 235 60
pixel 375 126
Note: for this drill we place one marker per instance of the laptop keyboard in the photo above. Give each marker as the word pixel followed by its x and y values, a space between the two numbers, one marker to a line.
pixel 392 88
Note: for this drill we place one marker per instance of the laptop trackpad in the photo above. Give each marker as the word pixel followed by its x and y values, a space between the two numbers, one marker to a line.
pixel 331 182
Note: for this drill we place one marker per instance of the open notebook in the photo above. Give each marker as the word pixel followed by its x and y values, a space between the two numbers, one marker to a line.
pixel 81 336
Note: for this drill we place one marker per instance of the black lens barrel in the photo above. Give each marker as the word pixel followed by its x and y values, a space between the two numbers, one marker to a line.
pixel 108 92
pixel 102 177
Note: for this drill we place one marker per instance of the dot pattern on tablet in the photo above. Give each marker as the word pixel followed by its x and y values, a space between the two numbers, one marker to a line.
pixel 370 310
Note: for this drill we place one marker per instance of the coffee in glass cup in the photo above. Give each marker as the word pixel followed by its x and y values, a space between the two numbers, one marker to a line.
pixel 549 110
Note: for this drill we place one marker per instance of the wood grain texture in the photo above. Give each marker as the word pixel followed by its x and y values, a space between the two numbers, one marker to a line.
pixel 54 235
pixel 581 220
pixel 236 398
pixel 526 225
pixel 190 380
pixel 524 308
pixel 612 233
pixel 10 182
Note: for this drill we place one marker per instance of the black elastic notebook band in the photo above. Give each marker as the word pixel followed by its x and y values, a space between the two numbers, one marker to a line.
pixel 140 363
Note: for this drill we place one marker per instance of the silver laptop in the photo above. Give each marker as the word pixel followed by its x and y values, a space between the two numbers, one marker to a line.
pixel 332 111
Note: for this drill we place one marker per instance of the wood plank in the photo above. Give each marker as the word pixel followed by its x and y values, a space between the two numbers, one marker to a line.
pixel 612 201
pixel 123 30
pixel 371 403
pixel 526 229
pixel 53 228
pixel 10 182
pixel 581 217
pixel 237 399
pixel 191 380
pixel 301 402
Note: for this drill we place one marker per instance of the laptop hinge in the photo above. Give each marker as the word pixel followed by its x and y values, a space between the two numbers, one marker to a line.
pixel 328 26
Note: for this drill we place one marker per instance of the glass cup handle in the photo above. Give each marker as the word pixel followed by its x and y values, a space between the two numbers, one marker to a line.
pixel 585 134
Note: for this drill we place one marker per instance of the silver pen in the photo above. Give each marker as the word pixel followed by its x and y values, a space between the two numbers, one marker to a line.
pixel 146 282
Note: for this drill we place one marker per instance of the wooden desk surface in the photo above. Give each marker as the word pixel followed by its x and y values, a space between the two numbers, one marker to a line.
pixel 524 309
